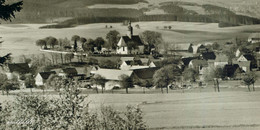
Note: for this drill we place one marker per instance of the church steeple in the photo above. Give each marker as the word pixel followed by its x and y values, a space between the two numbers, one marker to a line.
pixel 130 30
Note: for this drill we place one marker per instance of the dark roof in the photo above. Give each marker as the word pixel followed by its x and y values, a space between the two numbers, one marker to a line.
pixel 208 56
pixel 187 60
pixel 46 75
pixel 135 62
pixel 249 57
pixel 135 38
pixel 21 68
pixel 231 69
pixel 146 73
pixel 70 71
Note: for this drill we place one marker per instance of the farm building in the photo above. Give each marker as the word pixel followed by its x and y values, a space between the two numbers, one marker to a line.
pixel 42 77
pixel 254 38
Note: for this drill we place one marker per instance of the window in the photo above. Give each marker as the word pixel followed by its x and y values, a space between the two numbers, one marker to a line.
pixel 123 48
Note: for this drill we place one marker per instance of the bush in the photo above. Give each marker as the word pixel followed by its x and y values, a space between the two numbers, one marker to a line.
pixel 69 111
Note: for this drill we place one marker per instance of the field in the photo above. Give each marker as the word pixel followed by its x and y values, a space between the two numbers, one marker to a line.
pixel 234 109
pixel 20 38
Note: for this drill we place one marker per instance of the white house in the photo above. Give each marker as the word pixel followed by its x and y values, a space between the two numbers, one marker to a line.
pixel 42 77
pixel 125 41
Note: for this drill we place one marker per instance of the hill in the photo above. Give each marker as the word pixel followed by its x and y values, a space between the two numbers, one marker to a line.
pixel 227 13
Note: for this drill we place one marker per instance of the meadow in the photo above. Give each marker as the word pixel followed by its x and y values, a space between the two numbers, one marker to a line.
pixel 234 109
pixel 20 38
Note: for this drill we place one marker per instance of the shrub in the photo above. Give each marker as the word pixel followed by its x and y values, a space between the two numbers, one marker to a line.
pixel 69 111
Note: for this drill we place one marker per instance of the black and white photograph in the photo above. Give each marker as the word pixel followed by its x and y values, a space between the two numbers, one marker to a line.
pixel 129 64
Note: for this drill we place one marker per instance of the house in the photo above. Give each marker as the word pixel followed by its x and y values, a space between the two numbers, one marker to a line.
pixel 185 47
pixel 221 60
pixel 42 77
pixel 113 77
pixel 208 56
pixel 199 65
pixel 18 69
pixel 125 41
pixel 244 65
pixel 254 38
pixel 68 72
pixel 249 57
pixel 199 48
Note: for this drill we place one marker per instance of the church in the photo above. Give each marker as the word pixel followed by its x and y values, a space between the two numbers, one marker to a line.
pixel 123 46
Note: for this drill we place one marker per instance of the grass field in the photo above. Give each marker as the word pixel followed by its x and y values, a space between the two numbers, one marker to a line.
pixel 230 109
pixel 20 39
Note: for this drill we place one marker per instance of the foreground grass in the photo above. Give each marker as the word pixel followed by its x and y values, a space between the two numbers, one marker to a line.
pixel 232 108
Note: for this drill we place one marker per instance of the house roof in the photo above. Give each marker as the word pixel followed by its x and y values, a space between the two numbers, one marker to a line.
pixel 221 58
pixel 180 47
pixel 145 73
pixel 186 60
pixel 138 67
pixel 22 68
pixel 113 74
pixel 70 71
pixel 202 63
pixel 249 57
pixel 242 63
pixel 135 38
pixel 208 55
pixel 46 75
pixel 231 69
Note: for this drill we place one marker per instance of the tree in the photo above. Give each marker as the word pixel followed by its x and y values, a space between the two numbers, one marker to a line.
pixel 8 10
pixel 3 79
pixel 151 38
pixel 30 82
pixel 56 82
pixel 99 80
pixel 131 46
pixel 137 26
pixel 250 79
pixel 89 45
pixel 69 57
pixel 99 42
pixel 215 46
pixel 83 40
pixel 113 38
pixel 104 63
pixel 126 82
pixel 214 74
pixel 165 76
pixel 190 74
pixel 41 43
pixel 51 41
pixel 75 38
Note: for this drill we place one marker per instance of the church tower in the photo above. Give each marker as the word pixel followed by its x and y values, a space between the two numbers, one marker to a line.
pixel 130 30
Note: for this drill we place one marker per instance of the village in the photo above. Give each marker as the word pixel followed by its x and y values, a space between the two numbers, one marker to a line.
pixel 133 61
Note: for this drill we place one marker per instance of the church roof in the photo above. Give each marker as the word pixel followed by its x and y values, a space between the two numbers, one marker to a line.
pixel 135 38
